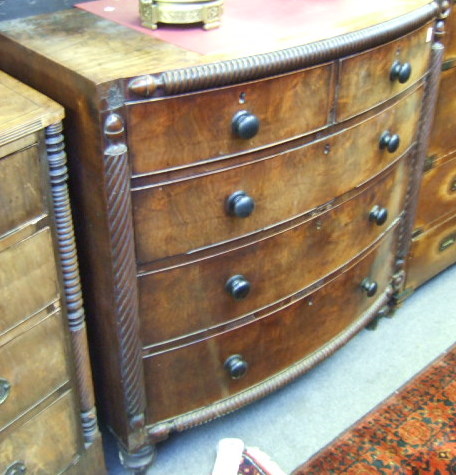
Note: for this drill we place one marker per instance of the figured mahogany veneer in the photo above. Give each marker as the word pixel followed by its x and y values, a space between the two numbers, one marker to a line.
pixel 239 216
pixel 178 216
pixel 276 266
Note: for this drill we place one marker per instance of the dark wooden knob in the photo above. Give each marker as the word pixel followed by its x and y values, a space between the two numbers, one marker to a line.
pixel 369 286
pixel 378 215
pixel 236 366
pixel 389 141
pixel 17 468
pixel 240 204
pixel 245 124
pixel 5 388
pixel 400 72
pixel 238 287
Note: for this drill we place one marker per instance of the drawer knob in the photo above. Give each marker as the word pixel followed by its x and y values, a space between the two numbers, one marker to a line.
pixel 238 287
pixel 389 141
pixel 245 124
pixel 369 286
pixel 400 72
pixel 240 204
pixel 378 215
pixel 236 366
pixel 5 388
pixel 17 468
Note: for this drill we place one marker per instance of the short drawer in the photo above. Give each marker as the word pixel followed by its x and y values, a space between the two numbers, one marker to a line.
pixel 437 194
pixel 21 193
pixel 443 136
pixel 177 131
pixel 194 376
pixel 46 444
pixel 432 252
pixel 32 366
pixel 174 218
pixel 366 80
pixel 207 292
pixel 28 279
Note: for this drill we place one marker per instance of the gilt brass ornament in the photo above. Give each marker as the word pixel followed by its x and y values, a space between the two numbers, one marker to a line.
pixel 181 12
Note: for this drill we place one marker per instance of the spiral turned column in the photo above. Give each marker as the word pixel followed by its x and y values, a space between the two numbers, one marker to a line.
pixel 70 274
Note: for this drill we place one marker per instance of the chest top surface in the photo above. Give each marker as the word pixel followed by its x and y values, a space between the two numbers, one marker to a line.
pixel 102 50
pixel 23 110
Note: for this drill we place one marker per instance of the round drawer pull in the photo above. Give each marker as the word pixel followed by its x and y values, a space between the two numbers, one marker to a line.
pixel 400 72
pixel 5 387
pixel 369 286
pixel 238 287
pixel 389 141
pixel 17 468
pixel 378 215
pixel 245 124
pixel 236 366
pixel 240 204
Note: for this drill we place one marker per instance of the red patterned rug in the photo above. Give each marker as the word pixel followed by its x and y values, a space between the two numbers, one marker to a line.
pixel 413 432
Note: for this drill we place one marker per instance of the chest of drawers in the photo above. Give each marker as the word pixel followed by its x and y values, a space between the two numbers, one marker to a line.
pixel 433 247
pixel 239 217
pixel 45 395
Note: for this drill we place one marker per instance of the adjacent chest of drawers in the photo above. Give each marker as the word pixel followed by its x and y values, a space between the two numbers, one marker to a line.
pixel 40 422
pixel 239 216
pixel 433 246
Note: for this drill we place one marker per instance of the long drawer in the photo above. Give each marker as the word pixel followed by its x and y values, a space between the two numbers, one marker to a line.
pixel 21 193
pixel 44 445
pixel 268 345
pixel 432 252
pixel 187 298
pixel 443 136
pixel 177 131
pixel 31 376
pixel 28 279
pixel 438 193
pixel 174 218
pixel 366 80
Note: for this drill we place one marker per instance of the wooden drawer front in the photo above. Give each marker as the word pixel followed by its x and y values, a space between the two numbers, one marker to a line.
pixel 34 365
pixel 437 194
pixel 268 345
pixel 173 132
pixel 443 137
pixel 47 443
pixel 192 297
pixel 178 217
pixel 28 279
pixel 21 193
pixel 450 36
pixel 432 252
pixel 365 78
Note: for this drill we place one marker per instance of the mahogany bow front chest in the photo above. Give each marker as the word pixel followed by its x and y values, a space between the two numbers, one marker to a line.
pixel 240 215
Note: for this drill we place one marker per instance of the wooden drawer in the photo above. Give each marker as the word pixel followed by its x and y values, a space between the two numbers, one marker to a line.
pixel 177 217
pixel 438 194
pixel 432 252
pixel 269 345
pixel 188 298
pixel 450 36
pixel 365 78
pixel 28 279
pixel 443 136
pixel 21 193
pixel 33 364
pixel 46 444
pixel 173 132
